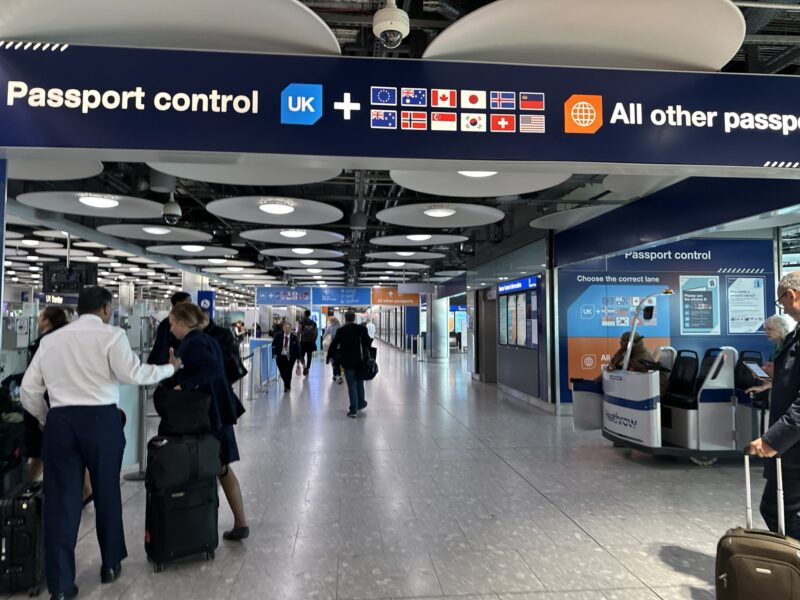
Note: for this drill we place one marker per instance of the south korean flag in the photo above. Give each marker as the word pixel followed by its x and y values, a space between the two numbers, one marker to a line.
pixel 475 122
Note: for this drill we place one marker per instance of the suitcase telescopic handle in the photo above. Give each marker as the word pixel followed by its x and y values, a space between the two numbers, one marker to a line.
pixel 749 506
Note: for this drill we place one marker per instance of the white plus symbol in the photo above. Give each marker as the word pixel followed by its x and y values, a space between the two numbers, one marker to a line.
pixel 502 122
pixel 347 106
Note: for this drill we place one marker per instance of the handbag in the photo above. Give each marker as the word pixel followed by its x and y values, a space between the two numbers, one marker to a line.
pixel 182 412
pixel 368 368
pixel 298 370
pixel 326 343
pixel 234 368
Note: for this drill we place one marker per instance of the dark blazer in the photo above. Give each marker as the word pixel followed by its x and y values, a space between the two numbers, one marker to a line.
pixel 294 347
pixel 203 370
pixel 350 346
pixel 784 414
pixel 159 355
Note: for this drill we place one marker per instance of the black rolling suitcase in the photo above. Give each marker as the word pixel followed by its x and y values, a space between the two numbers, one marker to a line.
pixel 21 542
pixel 182 499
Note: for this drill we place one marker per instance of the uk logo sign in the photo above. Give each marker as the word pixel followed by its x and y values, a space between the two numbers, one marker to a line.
pixel 301 104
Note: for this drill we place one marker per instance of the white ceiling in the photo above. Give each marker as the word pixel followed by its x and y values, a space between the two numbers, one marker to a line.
pixel 466 215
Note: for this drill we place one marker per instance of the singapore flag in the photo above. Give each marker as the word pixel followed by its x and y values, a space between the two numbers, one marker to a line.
pixel 444 121
pixel 473 99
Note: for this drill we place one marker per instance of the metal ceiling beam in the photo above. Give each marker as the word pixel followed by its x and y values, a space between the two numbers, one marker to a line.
pixel 772 40
pixel 768 6
pixel 781 61
pixel 362 20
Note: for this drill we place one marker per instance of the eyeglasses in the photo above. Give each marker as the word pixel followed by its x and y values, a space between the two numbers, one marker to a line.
pixel 778 301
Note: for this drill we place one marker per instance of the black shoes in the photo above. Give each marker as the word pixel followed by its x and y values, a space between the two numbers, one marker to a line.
pixel 65 596
pixel 363 406
pixel 352 415
pixel 110 574
pixel 237 534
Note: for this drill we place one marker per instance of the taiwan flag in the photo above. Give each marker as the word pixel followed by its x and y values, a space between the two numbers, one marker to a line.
pixel 413 120
pixel 531 101
pixel 502 123
pixel 444 98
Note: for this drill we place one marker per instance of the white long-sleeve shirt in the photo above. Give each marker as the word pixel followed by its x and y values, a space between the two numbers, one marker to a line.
pixel 82 364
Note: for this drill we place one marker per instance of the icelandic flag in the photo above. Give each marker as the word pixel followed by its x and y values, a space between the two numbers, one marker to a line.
pixel 531 101
pixel 386 96
pixel 413 120
pixel 414 96
pixel 502 100
pixel 383 119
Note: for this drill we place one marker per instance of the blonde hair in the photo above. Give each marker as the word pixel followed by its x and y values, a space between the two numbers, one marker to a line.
pixel 190 315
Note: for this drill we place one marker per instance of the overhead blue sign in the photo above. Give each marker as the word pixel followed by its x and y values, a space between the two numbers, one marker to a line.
pixel 347 296
pixel 283 295
pixel 519 285
pixel 126 98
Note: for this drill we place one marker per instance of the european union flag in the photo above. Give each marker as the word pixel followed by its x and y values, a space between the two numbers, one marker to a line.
pixel 383 95
pixel 383 119
pixel 414 96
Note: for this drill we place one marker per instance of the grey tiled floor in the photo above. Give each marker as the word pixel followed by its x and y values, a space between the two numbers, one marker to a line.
pixel 446 488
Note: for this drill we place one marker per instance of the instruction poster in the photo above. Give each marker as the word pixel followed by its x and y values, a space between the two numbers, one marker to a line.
pixel 699 305
pixel 745 304
pixel 512 320
pixel 502 329
pixel 522 314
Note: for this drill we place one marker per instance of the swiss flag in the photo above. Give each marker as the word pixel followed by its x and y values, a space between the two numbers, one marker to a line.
pixel 502 123
pixel 444 98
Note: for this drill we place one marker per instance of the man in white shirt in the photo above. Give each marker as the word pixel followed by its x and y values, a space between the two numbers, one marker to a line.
pixel 81 366
pixel 371 329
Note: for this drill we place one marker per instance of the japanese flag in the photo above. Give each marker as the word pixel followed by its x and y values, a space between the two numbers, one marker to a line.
pixel 473 99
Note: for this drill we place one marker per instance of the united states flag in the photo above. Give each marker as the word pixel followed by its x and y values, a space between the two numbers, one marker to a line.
pixel 531 123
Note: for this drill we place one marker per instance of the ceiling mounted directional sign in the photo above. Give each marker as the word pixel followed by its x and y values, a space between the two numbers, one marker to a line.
pixel 141 102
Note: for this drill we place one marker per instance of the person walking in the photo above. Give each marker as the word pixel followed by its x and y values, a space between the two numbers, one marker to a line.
pixel 203 370
pixel 370 329
pixel 286 352
pixel 352 344
pixel 783 434
pixel 336 364
pixel 164 340
pixel 308 339
pixel 81 366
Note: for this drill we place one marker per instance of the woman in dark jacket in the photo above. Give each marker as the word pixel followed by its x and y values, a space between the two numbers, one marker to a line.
pixel 203 370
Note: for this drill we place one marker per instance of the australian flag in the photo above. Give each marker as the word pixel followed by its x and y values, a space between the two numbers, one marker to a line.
pixel 414 96
pixel 383 95
pixel 383 119
pixel 502 101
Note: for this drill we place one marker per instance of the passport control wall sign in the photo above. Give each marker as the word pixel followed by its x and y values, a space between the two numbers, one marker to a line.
pixel 147 99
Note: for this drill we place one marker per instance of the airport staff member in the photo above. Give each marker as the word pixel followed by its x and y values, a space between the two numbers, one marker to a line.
pixel 81 366
pixel 783 434
pixel 164 338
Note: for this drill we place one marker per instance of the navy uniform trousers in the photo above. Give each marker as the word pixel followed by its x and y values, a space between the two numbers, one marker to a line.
pixel 75 438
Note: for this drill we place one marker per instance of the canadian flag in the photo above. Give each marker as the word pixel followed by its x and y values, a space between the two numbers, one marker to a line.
pixel 473 99
pixel 443 98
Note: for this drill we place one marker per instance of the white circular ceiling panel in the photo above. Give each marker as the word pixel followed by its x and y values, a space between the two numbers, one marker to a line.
pixel 13 235
pixel 251 170
pixel 396 265
pixel 48 169
pixel 405 255
pixel 455 184
pixel 569 218
pixel 418 239
pixel 90 204
pixel 275 210
pixel 649 34
pixel 238 25
pixel 54 233
pixel 441 214
pixel 294 236
pixel 157 232
pixel 303 253
pixel 192 250
pixel 118 253
pixel 94 245
pixel 312 262
pixel 63 252
pixel 234 270
pixel 323 272
pixel 32 244
pixel 216 262
pixel 448 273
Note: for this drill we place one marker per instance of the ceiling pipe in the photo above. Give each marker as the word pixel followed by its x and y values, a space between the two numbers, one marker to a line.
pixel 768 5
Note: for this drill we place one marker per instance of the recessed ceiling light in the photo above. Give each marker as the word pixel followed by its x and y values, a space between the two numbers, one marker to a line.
pixel 404 253
pixel 157 230
pixel 11 272
pixel 274 207
pixel 30 242
pixel 317 277
pixel 115 264
pixel 217 261
pixel 383 277
pixel 235 269
pixel 439 212
pixel 418 237
pixel 396 263
pixel 477 174
pixel 33 268
pixel 99 201
pixel 314 270
pixel 15 279
pixel 192 248
pixel 309 262
pixel 31 257
pixel 293 233
pixel 92 258
pixel 133 269
pixel 323 285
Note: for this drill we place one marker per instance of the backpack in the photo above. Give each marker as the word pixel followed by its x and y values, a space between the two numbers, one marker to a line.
pixel 309 335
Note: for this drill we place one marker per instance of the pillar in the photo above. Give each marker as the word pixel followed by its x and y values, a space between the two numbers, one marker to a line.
pixel 439 335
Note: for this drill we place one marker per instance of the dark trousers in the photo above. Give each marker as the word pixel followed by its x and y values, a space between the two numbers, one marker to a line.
pixel 355 389
pixel 337 368
pixel 285 369
pixel 791 499
pixel 77 438
pixel 308 349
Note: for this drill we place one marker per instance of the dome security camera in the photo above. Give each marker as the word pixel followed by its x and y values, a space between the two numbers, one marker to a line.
pixel 171 211
pixel 390 24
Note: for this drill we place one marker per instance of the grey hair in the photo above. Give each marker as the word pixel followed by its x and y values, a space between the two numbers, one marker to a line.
pixel 782 323
pixel 790 281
